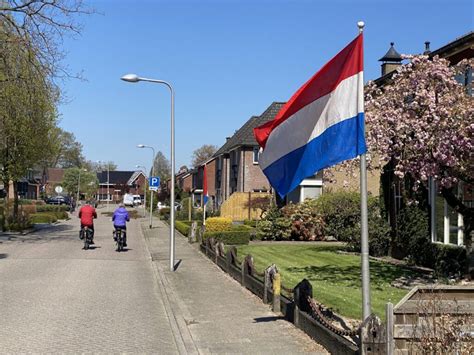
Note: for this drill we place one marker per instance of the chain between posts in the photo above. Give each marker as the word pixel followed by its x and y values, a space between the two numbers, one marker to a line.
pixel 321 318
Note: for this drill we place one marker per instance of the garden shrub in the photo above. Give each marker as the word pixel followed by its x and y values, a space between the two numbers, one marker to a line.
pixel 218 224
pixel 241 227
pixel 341 214
pixel 229 237
pixel 30 209
pixel 450 260
pixel 274 226
pixel 21 222
pixel 413 237
pixel 306 222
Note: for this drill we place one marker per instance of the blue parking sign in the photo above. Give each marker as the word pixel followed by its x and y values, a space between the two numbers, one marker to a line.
pixel 154 182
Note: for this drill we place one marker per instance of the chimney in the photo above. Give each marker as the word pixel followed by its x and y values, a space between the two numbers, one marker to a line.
pixel 391 60
pixel 427 48
pixel 227 139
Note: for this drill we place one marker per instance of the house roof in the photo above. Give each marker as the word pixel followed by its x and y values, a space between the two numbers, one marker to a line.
pixel 244 135
pixel 392 55
pixel 116 177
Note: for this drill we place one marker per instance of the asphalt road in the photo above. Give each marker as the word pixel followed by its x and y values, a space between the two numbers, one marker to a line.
pixel 57 298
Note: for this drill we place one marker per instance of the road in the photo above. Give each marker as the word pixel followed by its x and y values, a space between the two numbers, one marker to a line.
pixel 57 298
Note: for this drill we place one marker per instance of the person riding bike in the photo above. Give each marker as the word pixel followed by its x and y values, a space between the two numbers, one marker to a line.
pixel 87 214
pixel 120 219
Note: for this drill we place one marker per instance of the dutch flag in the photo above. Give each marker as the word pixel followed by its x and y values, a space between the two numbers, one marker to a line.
pixel 320 126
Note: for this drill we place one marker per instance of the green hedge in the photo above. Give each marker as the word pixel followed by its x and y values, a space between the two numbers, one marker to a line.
pixel 52 208
pixel 251 223
pixel 43 217
pixel 229 237
pixel 182 227
pixel 241 228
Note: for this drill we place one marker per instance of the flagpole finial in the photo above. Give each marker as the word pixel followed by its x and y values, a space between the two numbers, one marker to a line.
pixel 361 25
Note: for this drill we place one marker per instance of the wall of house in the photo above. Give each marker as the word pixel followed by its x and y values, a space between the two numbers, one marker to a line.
pixel 188 183
pixel 211 181
pixel 253 177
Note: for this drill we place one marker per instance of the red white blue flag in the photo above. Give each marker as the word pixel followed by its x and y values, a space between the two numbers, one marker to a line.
pixel 320 126
pixel 204 186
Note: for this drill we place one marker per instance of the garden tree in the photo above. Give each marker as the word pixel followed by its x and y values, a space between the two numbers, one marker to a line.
pixel 422 124
pixel 162 166
pixel 67 152
pixel 88 181
pixel 38 27
pixel 27 111
pixel 203 153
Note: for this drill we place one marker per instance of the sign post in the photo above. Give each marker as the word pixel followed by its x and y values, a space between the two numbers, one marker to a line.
pixel 154 182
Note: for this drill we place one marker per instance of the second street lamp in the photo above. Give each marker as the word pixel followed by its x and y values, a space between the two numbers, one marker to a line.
pixel 152 174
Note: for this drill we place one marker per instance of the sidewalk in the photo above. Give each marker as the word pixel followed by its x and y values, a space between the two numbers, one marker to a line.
pixel 210 313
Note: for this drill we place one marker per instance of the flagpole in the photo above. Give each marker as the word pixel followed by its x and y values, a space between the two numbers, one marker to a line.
pixel 364 236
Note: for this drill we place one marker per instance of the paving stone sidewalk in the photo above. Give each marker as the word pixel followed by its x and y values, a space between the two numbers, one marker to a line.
pixel 213 313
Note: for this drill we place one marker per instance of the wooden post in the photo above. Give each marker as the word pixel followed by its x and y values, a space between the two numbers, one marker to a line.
pixel 276 293
pixel 389 326
pixel 243 272
pixel 301 292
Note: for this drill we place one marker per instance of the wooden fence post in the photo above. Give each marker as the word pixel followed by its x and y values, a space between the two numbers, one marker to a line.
pixel 276 293
pixel 389 325
pixel 301 292
pixel 243 267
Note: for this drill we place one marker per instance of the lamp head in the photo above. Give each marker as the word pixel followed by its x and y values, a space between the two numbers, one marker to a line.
pixel 131 78
pixel 140 145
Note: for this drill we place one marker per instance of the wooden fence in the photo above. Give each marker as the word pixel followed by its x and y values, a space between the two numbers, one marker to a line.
pixel 244 205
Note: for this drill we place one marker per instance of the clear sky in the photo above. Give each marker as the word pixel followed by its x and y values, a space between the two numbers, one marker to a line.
pixel 227 60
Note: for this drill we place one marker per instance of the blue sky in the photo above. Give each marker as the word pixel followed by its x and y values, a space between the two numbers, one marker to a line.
pixel 227 60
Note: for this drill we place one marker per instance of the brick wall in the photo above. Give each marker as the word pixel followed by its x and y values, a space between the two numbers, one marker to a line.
pixel 253 177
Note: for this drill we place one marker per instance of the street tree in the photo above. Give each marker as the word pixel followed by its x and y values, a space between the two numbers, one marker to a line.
pixel 67 152
pixel 27 112
pixel 202 154
pixel 39 27
pixel 162 166
pixel 98 167
pixel 77 179
pixel 422 124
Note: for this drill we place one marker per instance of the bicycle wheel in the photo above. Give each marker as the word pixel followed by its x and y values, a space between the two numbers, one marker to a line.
pixel 118 235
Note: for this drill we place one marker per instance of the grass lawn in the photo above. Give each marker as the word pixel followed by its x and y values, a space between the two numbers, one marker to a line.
pixel 335 277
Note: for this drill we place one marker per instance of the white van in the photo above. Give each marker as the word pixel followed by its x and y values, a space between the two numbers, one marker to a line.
pixel 128 200
pixel 137 200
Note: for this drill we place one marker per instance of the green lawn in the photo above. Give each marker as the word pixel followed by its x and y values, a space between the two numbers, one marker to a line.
pixel 335 277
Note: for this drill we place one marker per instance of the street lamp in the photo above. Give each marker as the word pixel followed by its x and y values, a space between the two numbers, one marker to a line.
pixel 144 190
pixel 133 78
pixel 152 174
pixel 79 184
pixel 108 176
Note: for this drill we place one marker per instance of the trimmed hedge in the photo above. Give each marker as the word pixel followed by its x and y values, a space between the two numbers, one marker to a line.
pixel 229 237
pixel 218 224
pixel 251 223
pixel 43 217
pixel 52 208
pixel 182 227
pixel 240 228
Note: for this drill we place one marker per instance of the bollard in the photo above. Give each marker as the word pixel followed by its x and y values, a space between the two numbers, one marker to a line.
pixel 301 292
pixel 276 292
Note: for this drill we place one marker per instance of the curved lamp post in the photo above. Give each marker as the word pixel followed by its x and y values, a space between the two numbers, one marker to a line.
pixel 133 78
pixel 152 174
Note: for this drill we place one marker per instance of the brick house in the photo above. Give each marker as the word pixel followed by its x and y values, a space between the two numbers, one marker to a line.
pixel 52 177
pixel 237 168
pixel 196 183
pixel 118 183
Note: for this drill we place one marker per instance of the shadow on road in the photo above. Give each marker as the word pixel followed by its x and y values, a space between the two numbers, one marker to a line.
pixel 267 319
pixel 3 256
pixel 45 234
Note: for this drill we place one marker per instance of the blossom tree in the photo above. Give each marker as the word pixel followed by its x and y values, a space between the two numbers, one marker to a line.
pixel 422 122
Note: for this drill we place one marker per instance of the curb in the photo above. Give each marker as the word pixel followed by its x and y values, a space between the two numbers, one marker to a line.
pixel 183 338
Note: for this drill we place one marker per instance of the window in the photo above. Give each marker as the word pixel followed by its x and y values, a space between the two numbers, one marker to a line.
pixel 256 155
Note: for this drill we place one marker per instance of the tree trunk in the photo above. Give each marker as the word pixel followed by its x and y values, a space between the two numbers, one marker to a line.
pixel 468 215
pixel 15 200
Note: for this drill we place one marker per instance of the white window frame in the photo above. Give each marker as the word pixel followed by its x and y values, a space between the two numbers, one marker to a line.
pixel 255 150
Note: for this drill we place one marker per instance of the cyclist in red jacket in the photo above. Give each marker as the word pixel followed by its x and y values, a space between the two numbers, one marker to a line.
pixel 87 214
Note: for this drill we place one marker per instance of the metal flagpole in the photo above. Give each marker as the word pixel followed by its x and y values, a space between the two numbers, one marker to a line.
pixel 364 237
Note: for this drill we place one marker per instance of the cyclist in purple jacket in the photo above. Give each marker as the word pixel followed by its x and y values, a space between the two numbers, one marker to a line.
pixel 120 219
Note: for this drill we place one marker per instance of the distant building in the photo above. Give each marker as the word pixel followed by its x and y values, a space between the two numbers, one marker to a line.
pixel 114 184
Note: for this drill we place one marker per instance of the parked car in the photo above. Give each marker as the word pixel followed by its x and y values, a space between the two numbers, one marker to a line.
pixel 58 200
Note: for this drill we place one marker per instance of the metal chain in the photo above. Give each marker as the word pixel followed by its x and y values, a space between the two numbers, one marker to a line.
pixel 321 318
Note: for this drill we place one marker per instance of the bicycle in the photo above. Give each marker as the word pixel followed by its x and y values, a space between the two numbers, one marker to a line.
pixel 87 235
pixel 119 234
